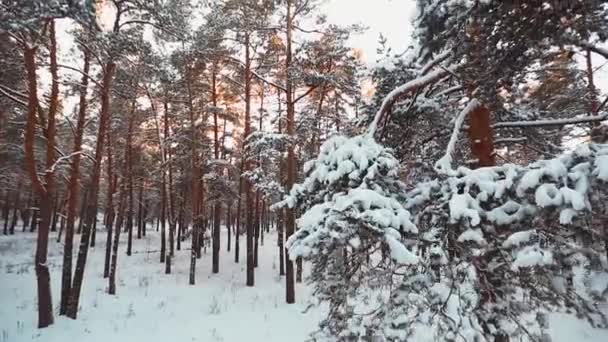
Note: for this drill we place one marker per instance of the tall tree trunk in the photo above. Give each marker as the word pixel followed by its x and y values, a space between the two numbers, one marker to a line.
pixel 91 212
pixel 256 229
pixel 217 205
pixel 290 296
pixel 68 247
pixel 171 210
pixel 280 218
pixel 195 182
pixel 248 191
pixel 130 182
pixel 119 222
pixel 140 208
pixel 45 191
pixel 110 213
pixel 229 225
pixel 239 205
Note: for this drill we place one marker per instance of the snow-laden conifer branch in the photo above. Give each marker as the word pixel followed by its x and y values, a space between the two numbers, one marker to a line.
pixel 444 164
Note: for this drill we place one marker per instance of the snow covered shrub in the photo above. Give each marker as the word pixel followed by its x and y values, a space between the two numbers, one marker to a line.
pixel 476 255
pixel 350 207
pixel 502 246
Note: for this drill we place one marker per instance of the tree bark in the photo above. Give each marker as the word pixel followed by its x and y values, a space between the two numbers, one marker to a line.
pixel 195 182
pixel 248 191
pixel 129 148
pixel 119 222
pixel 44 191
pixel 66 275
pixel 217 205
pixel 290 296
pixel 91 212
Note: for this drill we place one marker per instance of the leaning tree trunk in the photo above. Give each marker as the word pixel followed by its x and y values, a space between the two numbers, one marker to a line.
pixel 66 274
pixel 44 191
pixel 91 212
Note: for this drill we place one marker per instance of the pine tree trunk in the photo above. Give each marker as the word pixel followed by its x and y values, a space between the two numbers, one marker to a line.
pixel 140 208
pixel 110 213
pixel 256 221
pixel 229 226
pixel 248 191
pixel 68 247
pixel 280 239
pixel 35 214
pixel 26 213
pixel 6 210
pixel 91 212
pixel 11 229
pixel 83 209
pixel 290 296
pixel 130 183
pixel 119 222
pixel 481 136
pixel 195 182
pixel 45 192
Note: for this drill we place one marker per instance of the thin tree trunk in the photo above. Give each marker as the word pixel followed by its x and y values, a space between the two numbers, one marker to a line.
pixel 140 197
pixel 256 229
pixel 35 213
pixel 6 210
pixel 195 183
pixel 119 222
pixel 229 226
pixel 217 205
pixel 130 183
pixel 26 213
pixel 290 296
pixel 110 214
pixel 54 211
pixel 68 247
pixel 83 209
pixel 91 212
pixel 11 230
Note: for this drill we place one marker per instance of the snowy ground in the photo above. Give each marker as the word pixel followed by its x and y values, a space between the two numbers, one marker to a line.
pixel 151 306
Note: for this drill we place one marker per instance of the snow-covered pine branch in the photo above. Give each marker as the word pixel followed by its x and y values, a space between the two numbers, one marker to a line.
pixel 444 164
pixel 404 90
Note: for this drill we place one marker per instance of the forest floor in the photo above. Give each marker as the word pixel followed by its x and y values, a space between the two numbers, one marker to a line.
pixel 151 306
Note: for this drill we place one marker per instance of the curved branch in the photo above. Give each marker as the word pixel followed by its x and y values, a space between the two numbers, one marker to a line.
pixel 404 90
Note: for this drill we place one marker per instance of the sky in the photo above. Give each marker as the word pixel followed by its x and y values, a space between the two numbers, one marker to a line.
pixel 392 18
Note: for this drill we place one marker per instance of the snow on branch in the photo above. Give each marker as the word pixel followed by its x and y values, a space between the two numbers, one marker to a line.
pixel 60 160
pixel 551 122
pixel 599 50
pixel 255 74
pixel 440 58
pixel 404 90
pixel 444 164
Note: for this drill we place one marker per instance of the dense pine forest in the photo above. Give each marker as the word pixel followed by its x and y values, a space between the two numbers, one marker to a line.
pixel 236 170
